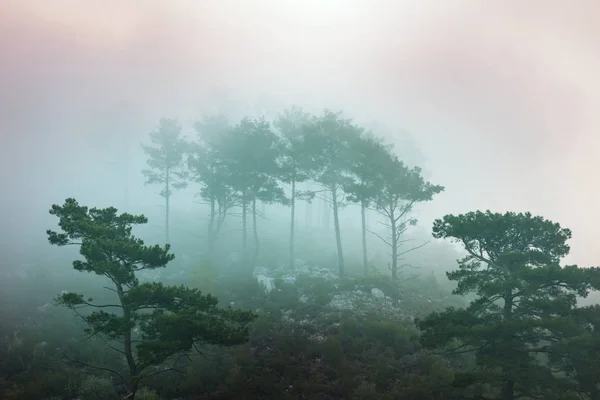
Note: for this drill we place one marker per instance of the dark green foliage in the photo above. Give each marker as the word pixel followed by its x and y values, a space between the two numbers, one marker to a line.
pixel 170 319
pixel 522 336
pixel 282 361
pixel 525 311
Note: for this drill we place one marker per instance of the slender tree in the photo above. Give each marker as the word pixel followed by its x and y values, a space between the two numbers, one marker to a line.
pixel 210 171
pixel 249 151
pixel 401 189
pixel 294 162
pixel 329 138
pixel 166 162
pixel 150 322
pixel 267 191
pixel 369 155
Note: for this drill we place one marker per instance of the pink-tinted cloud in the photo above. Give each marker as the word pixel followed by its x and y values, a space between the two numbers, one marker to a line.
pixel 501 94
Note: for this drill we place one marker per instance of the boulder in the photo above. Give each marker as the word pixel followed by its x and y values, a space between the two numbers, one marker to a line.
pixel 377 293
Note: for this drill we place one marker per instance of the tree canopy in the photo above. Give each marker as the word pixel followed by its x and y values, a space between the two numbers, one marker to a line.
pixel 150 322
pixel 525 311
pixel 255 161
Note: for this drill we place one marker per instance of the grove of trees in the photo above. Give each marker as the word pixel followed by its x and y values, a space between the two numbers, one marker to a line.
pixel 239 165
pixel 520 333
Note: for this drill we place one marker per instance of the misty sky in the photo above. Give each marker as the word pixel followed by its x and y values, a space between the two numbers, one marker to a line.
pixel 501 96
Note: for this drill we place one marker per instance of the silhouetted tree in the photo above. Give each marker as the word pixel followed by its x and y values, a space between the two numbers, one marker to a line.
pixel 152 322
pixel 166 162
pixel 525 306
pixel 369 156
pixel 295 161
pixel 250 152
pixel 329 138
pixel 401 189
pixel 212 173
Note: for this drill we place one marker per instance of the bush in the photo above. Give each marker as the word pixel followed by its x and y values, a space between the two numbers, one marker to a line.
pixel 146 394
pixel 96 388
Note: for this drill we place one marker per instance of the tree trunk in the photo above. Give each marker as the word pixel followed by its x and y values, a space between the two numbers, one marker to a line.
pixel 167 207
pixel 363 212
pixel 309 208
pixel 244 225
pixel 319 204
pixel 128 345
pixel 255 232
pixel 338 235
pixel 508 384
pixel 326 215
pixel 211 230
pixel 394 244
pixel 292 222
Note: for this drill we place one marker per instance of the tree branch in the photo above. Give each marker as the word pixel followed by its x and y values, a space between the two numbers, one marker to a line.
pixel 380 237
pixel 411 249
pixel 93 366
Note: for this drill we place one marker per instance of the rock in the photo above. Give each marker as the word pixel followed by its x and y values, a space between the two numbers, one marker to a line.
pixel 267 283
pixel 260 271
pixel 330 276
pixel 304 270
pixel 377 293
pixel 341 302
pixel 317 337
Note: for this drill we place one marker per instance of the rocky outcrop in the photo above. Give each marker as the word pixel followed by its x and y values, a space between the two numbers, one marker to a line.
pixel 313 285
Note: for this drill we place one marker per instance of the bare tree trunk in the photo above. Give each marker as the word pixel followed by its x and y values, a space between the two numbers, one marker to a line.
pixel 394 245
pixel 326 215
pixel 128 345
pixel 292 222
pixel 308 217
pixel 363 211
pixel 338 235
pixel 244 225
pixel 255 231
pixel 211 231
pixel 167 207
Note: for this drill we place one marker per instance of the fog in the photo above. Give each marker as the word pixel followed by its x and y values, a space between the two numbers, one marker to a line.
pixel 497 101
pixel 500 97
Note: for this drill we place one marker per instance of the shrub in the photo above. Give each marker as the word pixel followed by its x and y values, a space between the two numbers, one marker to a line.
pixel 146 394
pixel 96 388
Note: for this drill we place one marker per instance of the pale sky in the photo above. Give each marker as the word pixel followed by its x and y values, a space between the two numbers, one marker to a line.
pixel 500 95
